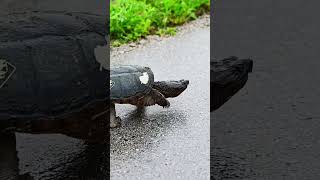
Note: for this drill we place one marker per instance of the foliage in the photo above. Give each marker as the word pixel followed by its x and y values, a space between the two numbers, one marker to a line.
pixel 133 19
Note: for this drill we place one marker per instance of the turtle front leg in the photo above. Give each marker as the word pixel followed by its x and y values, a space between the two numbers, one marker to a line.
pixel 114 120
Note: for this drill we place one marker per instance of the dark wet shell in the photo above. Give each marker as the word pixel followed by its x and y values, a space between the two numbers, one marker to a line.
pixel 130 82
pixel 56 71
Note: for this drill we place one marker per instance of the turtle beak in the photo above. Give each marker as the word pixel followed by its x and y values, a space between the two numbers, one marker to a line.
pixel 185 82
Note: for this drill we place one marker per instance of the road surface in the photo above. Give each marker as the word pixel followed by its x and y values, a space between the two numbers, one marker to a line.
pixel 168 143
pixel 270 129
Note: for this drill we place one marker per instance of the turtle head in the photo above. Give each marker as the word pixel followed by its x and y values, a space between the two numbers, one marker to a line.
pixel 171 88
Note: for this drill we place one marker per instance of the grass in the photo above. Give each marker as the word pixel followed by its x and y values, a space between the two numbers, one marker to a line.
pixel 131 20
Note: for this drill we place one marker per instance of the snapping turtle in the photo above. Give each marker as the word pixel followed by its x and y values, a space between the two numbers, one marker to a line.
pixel 135 85
pixel 50 80
pixel 228 76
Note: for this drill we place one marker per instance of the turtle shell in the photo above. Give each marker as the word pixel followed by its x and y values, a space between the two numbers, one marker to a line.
pixel 47 63
pixel 130 81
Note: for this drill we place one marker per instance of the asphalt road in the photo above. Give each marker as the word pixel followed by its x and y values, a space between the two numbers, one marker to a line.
pixel 270 129
pixel 168 143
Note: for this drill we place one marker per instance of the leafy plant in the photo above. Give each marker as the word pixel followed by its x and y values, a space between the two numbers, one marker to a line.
pixel 133 19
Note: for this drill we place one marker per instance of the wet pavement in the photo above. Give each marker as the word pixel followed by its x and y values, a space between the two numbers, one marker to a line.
pixel 270 129
pixel 168 143
pixel 60 157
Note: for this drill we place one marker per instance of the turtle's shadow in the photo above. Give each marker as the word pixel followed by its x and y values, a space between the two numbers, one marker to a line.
pixel 143 129
pixel 136 115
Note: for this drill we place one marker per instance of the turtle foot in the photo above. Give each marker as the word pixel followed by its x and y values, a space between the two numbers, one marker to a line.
pixel 115 122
